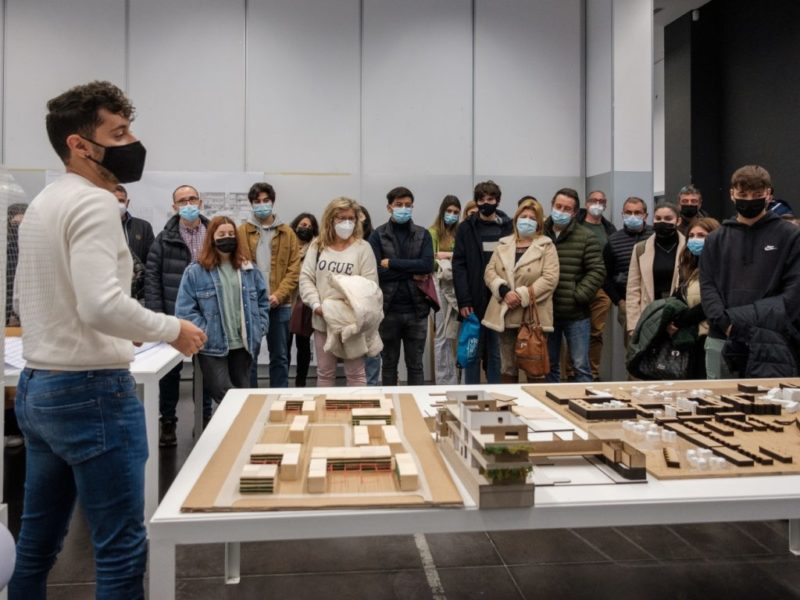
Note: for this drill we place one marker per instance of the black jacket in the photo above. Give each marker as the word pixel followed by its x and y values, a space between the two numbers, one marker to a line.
pixel 607 225
pixel 415 257
pixel 741 265
pixel 469 263
pixel 167 260
pixel 617 259
pixel 139 235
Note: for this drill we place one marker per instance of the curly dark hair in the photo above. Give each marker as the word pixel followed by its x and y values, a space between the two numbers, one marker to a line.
pixel 77 111
pixel 310 217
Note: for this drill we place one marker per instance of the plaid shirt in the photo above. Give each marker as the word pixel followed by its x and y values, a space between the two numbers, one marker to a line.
pixel 193 238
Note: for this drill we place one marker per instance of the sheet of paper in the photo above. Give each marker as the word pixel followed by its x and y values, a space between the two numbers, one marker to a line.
pixel 13 352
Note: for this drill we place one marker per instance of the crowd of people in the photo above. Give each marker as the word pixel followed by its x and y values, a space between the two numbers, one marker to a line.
pixel 363 293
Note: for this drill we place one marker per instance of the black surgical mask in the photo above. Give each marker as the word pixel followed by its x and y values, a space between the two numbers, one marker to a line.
pixel 226 244
pixel 487 210
pixel 305 233
pixel 750 208
pixel 664 229
pixel 126 163
pixel 689 211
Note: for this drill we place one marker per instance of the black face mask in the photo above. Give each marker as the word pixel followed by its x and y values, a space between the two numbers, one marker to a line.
pixel 304 233
pixel 126 163
pixel 689 211
pixel 226 244
pixel 487 210
pixel 750 208
pixel 664 229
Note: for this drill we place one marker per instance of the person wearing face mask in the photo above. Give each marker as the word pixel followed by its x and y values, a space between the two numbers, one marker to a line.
pixel 523 269
pixel 592 218
pixel 750 285
pixel 689 292
pixel 581 274
pixel 653 272
pixel 445 321
pixel 476 239
pixel 404 253
pixel 138 232
pixel 338 250
pixel 306 229
pixel 272 245
pixel 617 255
pixel 176 247
pixel 225 296
pixel 690 203
pixel 83 423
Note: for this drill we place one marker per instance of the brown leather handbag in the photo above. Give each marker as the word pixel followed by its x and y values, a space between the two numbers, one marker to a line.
pixel 531 346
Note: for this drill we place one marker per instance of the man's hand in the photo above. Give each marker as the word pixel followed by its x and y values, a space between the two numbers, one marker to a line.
pixel 190 340
pixel 671 329
pixel 443 255
pixel 318 310
pixel 384 263
pixel 512 299
pixel 273 301
pixel 466 311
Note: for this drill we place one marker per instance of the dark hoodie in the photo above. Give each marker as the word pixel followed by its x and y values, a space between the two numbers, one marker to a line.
pixel 742 264
pixel 470 257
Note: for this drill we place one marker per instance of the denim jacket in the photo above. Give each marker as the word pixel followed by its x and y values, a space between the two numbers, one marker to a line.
pixel 198 302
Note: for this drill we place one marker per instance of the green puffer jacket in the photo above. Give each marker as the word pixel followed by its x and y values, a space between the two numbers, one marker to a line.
pixel 582 270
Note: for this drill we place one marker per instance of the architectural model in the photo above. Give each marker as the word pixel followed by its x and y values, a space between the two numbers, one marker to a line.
pixel 292 451
pixel 695 429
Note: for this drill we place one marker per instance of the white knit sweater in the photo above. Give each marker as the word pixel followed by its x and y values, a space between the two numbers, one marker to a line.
pixel 73 282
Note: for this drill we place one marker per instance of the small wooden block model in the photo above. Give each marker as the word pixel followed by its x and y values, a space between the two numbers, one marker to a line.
pixel 317 475
pixel 258 479
pixel 391 438
pixel 277 412
pixel 407 473
pixel 671 458
pixel 360 435
pixel 298 430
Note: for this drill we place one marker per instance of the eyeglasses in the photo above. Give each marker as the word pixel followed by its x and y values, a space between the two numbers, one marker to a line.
pixel 194 200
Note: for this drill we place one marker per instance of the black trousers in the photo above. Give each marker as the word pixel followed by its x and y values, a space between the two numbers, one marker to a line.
pixel 303 358
pixel 221 373
pixel 412 331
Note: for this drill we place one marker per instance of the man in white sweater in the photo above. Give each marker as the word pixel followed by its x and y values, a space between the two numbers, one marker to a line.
pixel 76 400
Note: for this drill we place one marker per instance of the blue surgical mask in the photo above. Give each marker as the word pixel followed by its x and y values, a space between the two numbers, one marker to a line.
pixel 695 245
pixel 633 222
pixel 262 210
pixel 401 215
pixel 526 227
pixel 450 219
pixel 561 219
pixel 189 212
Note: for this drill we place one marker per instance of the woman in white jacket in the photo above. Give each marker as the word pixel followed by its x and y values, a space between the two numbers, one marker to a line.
pixel 338 250
pixel 523 268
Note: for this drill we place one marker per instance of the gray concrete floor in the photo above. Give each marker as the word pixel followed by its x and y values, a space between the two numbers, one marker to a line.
pixel 728 561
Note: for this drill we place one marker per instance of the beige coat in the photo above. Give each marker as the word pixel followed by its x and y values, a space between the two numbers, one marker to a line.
pixel 534 275
pixel 640 291
pixel 693 298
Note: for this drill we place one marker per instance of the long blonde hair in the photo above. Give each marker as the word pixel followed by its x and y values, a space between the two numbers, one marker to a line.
pixel 327 231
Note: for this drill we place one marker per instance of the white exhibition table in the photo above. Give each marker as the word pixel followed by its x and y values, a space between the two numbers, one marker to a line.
pixel 560 506
pixel 147 368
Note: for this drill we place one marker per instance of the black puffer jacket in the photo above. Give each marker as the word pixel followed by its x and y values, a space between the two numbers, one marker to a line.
pixel 168 258
pixel 469 263
pixel 582 270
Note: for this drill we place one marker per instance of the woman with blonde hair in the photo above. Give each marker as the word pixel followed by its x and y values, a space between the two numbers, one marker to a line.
pixel 523 268
pixel 338 250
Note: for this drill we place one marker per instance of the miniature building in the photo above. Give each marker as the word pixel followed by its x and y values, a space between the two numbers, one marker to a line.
pixel 406 470
pixel 391 437
pixel 352 458
pixel 484 440
pixel 258 479
pixel 360 435
pixel 298 430
pixel 317 474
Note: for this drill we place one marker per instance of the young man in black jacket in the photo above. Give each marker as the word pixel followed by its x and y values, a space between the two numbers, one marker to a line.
pixel 476 239
pixel 404 253
pixel 750 286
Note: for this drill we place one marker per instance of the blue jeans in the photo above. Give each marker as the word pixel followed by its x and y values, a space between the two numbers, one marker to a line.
pixel 278 346
pixel 85 438
pixel 577 333
pixel 489 354
pixel 372 366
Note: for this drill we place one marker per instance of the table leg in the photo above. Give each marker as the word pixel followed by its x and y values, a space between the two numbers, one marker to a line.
pixel 148 392
pixel 232 561
pixel 794 536
pixel 197 390
pixel 162 570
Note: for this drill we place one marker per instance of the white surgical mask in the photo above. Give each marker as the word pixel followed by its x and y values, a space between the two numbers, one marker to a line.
pixel 596 209
pixel 344 229
pixel 123 208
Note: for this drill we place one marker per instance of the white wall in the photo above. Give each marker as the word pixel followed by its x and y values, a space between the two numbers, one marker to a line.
pixel 599 82
pixel 325 100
